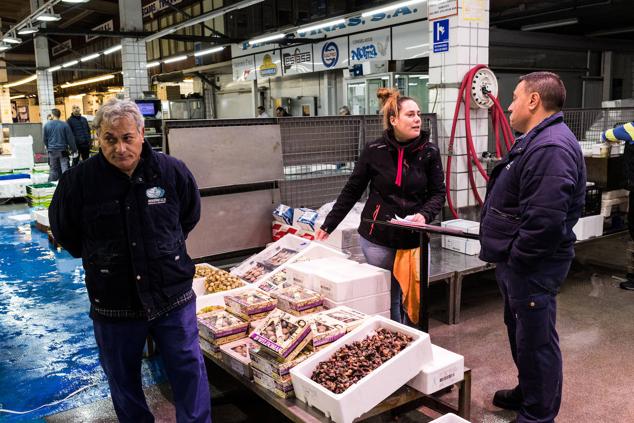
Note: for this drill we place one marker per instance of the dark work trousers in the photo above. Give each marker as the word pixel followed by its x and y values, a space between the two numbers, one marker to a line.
pixel 84 153
pixel 176 334
pixel 530 313
pixel 630 216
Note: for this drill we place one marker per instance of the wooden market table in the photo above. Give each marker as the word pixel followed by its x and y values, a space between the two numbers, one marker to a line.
pixel 402 401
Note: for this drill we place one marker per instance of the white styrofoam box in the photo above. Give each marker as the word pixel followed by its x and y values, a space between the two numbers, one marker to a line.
pixel 370 304
pixel 449 418
pixel 620 203
pixel 373 388
pixel 11 188
pixel 615 193
pixel 461 245
pixel 304 273
pixel 198 284
pixel 588 227
pixel 39 178
pixel 385 314
pixel 444 370
pixel 218 298
pixel 317 250
pixel 352 280
pixel 41 217
pixel 344 236
pixel 22 152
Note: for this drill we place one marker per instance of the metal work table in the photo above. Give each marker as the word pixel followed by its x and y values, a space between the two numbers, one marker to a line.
pixel 401 401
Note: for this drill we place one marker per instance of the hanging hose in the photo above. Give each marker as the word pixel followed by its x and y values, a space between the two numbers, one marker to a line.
pixel 498 119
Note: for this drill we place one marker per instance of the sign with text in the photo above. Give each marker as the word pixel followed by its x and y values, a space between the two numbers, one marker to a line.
pixel 61 47
pixel 474 10
pixel 268 64
pixel 374 45
pixel 438 9
pixel 297 59
pixel 441 36
pixel 243 68
pixel 106 26
pixel 331 54
pixel 157 5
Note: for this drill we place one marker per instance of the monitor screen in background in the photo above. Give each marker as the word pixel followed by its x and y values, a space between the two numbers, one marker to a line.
pixel 147 109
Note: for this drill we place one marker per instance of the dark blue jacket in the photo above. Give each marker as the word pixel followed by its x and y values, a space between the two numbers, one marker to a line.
pixel 130 233
pixel 534 198
pixel 80 128
pixel 58 136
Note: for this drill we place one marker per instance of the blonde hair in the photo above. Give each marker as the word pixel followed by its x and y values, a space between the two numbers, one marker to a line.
pixel 391 101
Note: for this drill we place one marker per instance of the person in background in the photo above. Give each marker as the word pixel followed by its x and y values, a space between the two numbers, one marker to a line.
pixel 535 196
pixel 58 139
pixel 404 171
pixel 344 111
pixel 262 112
pixel 625 133
pixel 281 112
pixel 127 212
pixel 81 130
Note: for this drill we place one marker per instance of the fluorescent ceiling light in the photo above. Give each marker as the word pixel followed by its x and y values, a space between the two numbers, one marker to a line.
pixel 89 57
pixel 76 96
pixel 28 30
pixel 321 25
pixel 49 17
pixel 391 7
pixel 267 38
pixel 208 51
pixel 21 81
pixel 550 24
pixel 54 68
pixel 13 97
pixel 11 40
pixel 69 64
pixel 175 59
pixel 75 1
pixel 611 31
pixel 112 49
pixel 4 47
pixel 88 81
pixel 152 64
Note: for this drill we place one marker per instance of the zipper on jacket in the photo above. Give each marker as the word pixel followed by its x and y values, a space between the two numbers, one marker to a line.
pixel 374 215
pixel 508 216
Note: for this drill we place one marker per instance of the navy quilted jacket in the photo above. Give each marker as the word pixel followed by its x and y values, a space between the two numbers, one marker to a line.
pixel 80 128
pixel 534 198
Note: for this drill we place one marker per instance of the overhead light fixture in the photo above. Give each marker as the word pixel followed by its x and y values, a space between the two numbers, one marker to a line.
pixel 175 59
pixel 11 40
pixel 208 51
pixel 20 82
pixel 69 64
pixel 75 1
pixel 112 49
pixel 54 68
pixel 391 7
pixel 76 96
pixel 267 38
pixel 4 47
pixel 152 64
pixel 48 16
pixel 29 29
pixel 320 26
pixel 89 57
pixel 13 97
pixel 88 81
pixel 550 24
pixel 611 32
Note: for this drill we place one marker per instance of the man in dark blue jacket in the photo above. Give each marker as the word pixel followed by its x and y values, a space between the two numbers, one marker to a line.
pixel 81 130
pixel 534 198
pixel 127 212
pixel 58 139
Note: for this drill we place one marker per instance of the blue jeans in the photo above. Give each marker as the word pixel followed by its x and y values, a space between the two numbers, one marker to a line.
pixel 58 165
pixel 383 257
pixel 176 334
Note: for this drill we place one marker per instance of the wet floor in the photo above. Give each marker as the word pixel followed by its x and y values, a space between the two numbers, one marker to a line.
pixel 47 345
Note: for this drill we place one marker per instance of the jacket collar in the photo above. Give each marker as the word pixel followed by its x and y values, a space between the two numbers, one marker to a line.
pixel 530 135
pixel 390 140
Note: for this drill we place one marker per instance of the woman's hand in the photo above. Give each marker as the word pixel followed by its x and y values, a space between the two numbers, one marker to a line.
pixel 418 218
pixel 321 235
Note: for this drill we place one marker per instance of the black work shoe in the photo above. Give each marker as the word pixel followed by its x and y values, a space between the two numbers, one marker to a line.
pixel 508 399
pixel 629 285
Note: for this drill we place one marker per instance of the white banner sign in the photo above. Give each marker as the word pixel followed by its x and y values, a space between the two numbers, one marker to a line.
pixel 61 47
pixel 106 26
pixel 243 68
pixel 157 5
pixel 411 41
pixel 297 59
pixel 331 54
pixel 268 64
pixel 373 45
pixel 442 8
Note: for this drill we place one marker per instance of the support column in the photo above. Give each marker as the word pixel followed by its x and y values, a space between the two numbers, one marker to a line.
pixel 606 72
pixel 328 95
pixel 5 95
pixel 468 46
pixel 133 53
pixel 255 97
pixel 45 93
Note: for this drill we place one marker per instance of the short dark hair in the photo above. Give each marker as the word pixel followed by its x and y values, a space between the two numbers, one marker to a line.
pixel 550 88
pixel 261 108
pixel 56 113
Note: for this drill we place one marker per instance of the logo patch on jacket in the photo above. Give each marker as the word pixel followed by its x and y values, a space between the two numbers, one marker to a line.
pixel 155 195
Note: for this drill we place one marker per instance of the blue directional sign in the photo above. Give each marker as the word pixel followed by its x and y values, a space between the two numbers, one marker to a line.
pixel 441 35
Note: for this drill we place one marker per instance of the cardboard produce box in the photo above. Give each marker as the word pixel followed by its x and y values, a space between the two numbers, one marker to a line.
pixel 269 365
pixel 219 327
pixel 348 317
pixel 279 388
pixel 250 304
pixel 325 330
pixel 236 356
pixel 297 300
pixel 283 335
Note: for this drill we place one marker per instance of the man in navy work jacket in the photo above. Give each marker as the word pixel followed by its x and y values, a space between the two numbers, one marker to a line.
pixel 81 130
pixel 127 212
pixel 534 198
pixel 58 139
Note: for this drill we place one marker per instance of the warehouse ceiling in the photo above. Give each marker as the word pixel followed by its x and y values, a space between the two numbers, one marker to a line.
pixel 603 20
